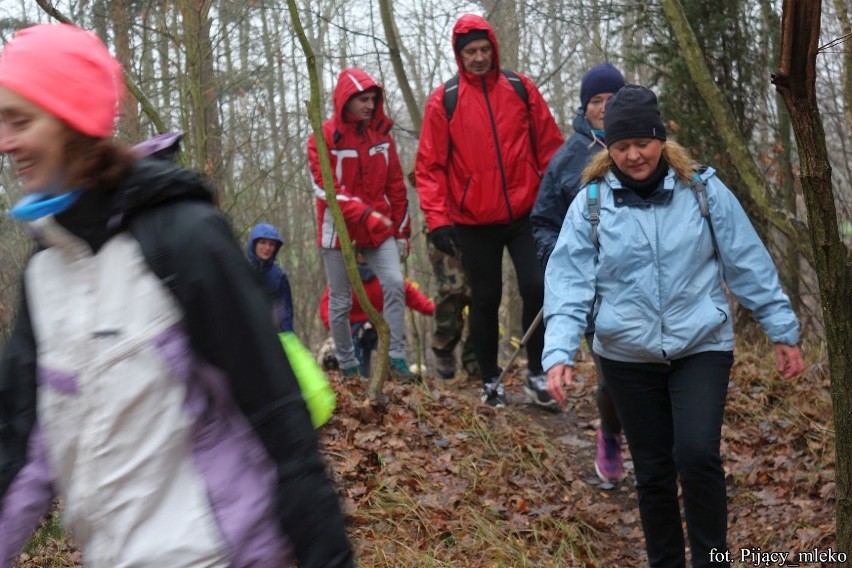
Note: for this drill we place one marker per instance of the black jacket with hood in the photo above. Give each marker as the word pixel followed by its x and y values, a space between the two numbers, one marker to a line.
pixel 227 321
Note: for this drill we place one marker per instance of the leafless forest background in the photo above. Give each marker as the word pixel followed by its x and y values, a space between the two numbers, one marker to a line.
pixel 233 77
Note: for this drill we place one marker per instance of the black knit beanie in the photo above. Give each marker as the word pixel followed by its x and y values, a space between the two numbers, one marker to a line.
pixel 632 113
pixel 473 35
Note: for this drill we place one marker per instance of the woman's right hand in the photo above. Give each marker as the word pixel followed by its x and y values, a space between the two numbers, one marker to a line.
pixel 788 360
pixel 559 377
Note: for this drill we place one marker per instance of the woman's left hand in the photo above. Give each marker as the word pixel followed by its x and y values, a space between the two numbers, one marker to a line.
pixel 788 360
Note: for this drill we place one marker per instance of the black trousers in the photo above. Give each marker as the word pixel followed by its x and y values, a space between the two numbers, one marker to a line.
pixel 482 257
pixel 672 419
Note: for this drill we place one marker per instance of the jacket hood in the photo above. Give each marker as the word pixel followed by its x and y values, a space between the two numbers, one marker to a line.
pixel 263 231
pixel 352 81
pixel 470 22
pixel 153 182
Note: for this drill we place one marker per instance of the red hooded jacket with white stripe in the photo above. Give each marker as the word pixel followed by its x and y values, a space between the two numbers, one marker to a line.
pixel 366 168
pixel 481 167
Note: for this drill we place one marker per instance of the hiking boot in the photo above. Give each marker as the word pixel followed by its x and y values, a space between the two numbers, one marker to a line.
pixel 494 395
pixel 352 372
pixel 445 366
pixel 400 372
pixel 536 389
pixel 608 464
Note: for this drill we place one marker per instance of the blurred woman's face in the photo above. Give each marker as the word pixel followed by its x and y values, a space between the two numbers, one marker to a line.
pixel 35 140
pixel 637 157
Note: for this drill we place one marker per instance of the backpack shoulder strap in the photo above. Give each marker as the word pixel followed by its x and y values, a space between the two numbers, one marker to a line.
pixel 518 85
pixel 451 91
pixel 593 203
pixel 451 96
pixel 699 190
pixel 521 90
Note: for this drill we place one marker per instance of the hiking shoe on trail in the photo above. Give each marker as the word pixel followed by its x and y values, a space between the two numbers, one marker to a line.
pixel 536 389
pixel 445 366
pixel 400 372
pixel 608 464
pixel 494 395
pixel 352 372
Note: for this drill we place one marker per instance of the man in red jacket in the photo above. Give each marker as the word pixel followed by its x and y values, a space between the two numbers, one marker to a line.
pixel 477 174
pixel 371 192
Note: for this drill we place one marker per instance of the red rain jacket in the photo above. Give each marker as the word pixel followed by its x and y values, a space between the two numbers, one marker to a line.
pixel 481 167
pixel 366 168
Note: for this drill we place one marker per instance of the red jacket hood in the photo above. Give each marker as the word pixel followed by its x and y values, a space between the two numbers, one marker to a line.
pixel 352 81
pixel 470 22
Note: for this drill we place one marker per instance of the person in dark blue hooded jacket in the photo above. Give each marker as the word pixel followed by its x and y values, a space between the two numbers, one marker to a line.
pixel 559 187
pixel 262 248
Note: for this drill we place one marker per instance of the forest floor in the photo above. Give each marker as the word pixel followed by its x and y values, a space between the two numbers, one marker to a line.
pixel 434 478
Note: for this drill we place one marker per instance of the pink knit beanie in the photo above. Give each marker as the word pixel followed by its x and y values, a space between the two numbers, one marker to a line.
pixel 66 71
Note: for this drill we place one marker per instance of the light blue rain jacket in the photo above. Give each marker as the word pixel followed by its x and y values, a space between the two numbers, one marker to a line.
pixel 654 283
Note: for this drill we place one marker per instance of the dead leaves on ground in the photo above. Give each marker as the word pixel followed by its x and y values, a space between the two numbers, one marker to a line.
pixel 439 477
pixel 433 478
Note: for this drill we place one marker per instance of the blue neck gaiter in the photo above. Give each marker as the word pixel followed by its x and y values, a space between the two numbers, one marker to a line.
pixel 37 205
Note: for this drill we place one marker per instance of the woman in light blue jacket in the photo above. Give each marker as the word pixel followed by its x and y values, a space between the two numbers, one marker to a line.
pixel 650 272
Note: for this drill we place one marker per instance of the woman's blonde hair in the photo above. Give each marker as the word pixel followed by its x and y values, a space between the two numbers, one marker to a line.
pixel 673 153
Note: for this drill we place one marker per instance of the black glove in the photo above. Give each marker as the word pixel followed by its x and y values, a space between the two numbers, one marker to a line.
pixel 444 239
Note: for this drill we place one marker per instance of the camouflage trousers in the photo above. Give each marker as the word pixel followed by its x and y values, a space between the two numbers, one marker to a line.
pixel 451 302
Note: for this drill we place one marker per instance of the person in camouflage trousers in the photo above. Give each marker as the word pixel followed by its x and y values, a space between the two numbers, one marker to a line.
pixel 452 298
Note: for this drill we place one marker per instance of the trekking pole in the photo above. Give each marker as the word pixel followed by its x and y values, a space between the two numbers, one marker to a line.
pixel 539 316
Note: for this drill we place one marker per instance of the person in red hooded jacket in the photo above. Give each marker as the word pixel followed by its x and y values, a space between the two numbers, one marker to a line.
pixel 477 175
pixel 371 192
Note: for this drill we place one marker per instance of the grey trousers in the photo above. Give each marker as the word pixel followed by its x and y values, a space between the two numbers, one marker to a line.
pixel 384 261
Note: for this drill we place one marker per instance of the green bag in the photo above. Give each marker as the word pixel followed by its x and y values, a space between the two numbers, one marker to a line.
pixel 316 391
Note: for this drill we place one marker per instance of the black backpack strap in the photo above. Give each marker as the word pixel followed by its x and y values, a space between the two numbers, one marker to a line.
pixel 518 85
pixel 521 89
pixel 451 96
pixel 451 91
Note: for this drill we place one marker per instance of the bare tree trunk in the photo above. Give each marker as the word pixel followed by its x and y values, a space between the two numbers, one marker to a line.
pixel 202 88
pixel 842 8
pixel 503 17
pixel 392 36
pixel 796 82
pixel 791 275
pixel 121 29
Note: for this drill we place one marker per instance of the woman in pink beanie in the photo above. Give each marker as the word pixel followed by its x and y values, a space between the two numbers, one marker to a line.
pixel 144 382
